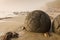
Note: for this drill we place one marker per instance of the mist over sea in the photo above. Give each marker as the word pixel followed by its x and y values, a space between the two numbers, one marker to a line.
pixel 6 14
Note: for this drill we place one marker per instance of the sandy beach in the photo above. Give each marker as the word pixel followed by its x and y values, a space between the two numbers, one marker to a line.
pixel 13 24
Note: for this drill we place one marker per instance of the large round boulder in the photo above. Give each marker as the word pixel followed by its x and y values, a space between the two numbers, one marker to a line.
pixel 37 21
pixel 56 25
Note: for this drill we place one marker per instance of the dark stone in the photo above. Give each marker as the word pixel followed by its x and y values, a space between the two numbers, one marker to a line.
pixel 15 35
pixel 37 21
pixel 11 35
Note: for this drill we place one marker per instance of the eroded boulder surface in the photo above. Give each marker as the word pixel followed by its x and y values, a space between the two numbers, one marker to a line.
pixel 37 21
pixel 56 25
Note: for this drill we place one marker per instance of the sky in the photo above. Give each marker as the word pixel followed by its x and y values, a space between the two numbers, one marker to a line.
pixel 22 5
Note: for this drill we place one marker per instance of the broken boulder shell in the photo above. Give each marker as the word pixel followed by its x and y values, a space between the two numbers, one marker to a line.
pixel 56 25
pixel 37 21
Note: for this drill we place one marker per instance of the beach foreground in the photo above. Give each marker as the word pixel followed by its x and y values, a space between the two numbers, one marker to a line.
pixel 15 24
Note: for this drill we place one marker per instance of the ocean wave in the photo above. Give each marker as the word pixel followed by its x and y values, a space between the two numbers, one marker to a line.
pixel 6 14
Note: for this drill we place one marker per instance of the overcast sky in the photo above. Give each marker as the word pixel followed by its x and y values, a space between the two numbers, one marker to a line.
pixel 22 5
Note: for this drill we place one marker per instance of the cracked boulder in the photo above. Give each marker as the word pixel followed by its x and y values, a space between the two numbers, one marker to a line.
pixel 37 21
pixel 56 25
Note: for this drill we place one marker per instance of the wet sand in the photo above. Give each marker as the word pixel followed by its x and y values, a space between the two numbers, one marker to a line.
pixel 14 24
pixel 11 24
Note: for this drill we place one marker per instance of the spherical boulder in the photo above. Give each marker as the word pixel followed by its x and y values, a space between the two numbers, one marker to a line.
pixel 37 21
pixel 56 25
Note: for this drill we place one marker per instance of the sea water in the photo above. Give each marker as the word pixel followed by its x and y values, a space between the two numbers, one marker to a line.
pixel 6 14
